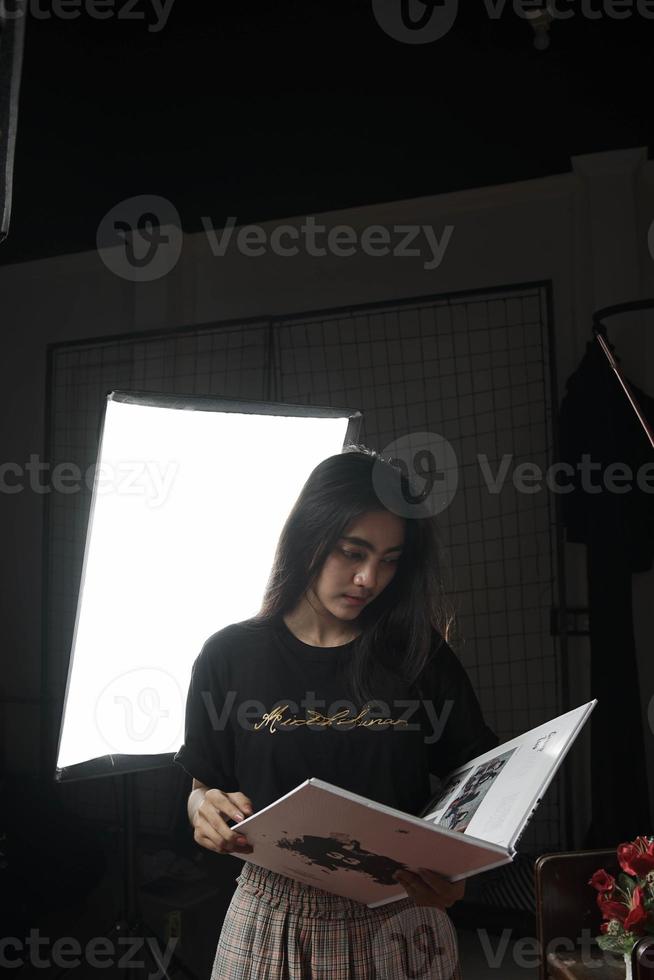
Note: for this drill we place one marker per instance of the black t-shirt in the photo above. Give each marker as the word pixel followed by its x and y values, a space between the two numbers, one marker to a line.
pixel 265 711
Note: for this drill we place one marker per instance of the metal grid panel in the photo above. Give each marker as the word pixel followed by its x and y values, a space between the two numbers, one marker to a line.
pixel 473 368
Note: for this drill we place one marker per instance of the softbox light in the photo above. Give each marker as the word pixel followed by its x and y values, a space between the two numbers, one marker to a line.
pixel 189 497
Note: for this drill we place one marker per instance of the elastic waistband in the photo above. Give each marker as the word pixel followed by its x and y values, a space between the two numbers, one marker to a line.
pixel 291 895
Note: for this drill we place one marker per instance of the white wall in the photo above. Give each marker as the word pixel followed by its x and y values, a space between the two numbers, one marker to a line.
pixel 586 231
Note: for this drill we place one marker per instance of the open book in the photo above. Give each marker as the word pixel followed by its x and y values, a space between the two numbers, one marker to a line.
pixel 352 846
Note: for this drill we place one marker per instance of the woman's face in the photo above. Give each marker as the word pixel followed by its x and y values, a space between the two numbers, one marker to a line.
pixel 362 564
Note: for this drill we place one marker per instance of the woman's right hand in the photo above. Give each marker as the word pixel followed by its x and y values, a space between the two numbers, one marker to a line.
pixel 208 811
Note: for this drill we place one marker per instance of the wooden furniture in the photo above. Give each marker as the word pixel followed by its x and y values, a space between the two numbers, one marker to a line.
pixel 567 919
pixel 567 916
pixel 572 966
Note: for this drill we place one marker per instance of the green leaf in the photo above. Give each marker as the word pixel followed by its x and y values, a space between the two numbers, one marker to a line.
pixel 626 883
pixel 609 943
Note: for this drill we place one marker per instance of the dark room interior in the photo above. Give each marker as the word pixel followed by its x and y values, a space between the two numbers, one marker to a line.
pixel 433 224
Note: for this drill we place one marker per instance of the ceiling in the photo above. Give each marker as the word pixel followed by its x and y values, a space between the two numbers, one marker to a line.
pixel 261 113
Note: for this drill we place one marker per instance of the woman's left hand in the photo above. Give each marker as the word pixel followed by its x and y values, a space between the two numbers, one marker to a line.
pixel 430 888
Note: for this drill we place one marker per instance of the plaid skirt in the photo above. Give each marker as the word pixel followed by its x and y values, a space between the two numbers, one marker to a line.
pixel 277 928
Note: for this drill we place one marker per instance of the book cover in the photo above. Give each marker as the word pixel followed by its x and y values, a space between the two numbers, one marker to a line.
pixel 344 843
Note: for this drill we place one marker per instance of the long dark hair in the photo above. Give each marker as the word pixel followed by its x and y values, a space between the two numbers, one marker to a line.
pixel 398 626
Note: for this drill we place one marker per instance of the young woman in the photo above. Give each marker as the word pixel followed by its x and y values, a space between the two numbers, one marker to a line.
pixel 352 627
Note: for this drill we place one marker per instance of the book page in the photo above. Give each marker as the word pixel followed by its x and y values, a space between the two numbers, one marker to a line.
pixel 491 797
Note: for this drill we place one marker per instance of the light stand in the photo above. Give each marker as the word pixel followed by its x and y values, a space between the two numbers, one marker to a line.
pixel 129 922
pixel 600 334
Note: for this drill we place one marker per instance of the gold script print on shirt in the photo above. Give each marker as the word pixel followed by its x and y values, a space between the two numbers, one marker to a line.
pixel 271 719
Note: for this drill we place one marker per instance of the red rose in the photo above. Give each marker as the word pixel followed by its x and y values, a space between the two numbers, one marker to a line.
pixel 611 910
pixel 643 864
pixel 602 881
pixel 626 854
pixel 636 920
pixel 637 914
pixel 604 928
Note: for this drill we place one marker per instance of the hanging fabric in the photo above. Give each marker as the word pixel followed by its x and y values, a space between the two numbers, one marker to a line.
pixel 598 425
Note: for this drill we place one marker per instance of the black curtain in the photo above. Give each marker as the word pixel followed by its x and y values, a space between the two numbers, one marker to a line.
pixel 597 420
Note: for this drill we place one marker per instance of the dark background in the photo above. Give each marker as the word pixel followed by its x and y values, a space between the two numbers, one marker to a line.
pixel 266 110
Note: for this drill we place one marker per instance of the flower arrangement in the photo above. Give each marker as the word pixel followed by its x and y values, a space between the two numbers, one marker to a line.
pixel 627 905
